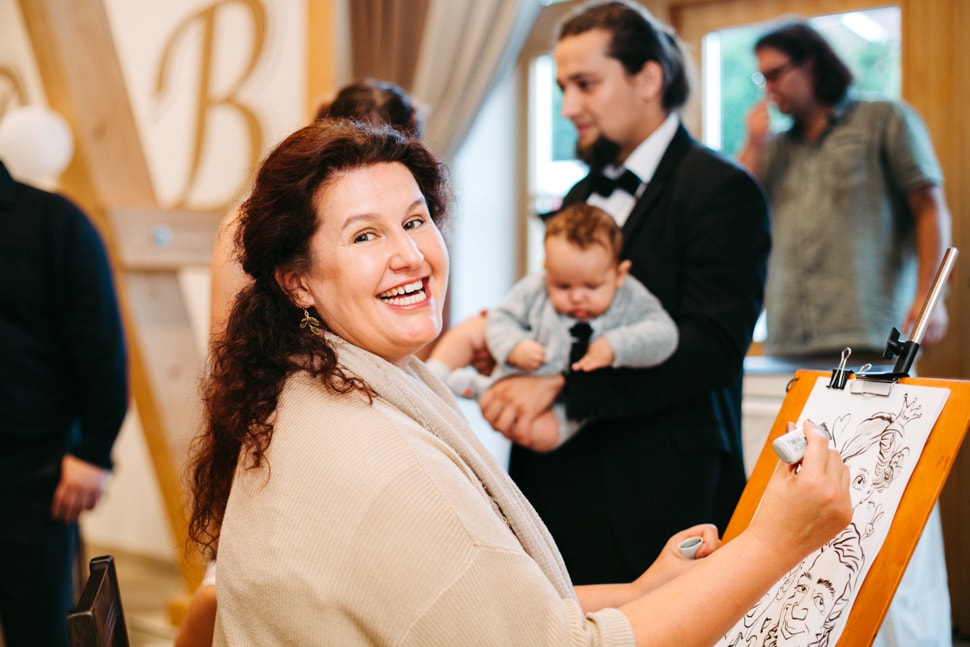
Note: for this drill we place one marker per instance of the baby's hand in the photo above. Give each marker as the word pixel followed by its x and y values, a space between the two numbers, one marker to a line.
pixel 599 355
pixel 527 355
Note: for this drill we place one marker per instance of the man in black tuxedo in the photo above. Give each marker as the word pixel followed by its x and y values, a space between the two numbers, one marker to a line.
pixel 662 446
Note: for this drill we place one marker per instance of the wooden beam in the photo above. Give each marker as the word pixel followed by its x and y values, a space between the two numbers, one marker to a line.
pixel 151 239
pixel 83 80
pixel 324 39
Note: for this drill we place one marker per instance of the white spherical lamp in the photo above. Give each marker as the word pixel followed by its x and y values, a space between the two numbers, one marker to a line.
pixel 36 144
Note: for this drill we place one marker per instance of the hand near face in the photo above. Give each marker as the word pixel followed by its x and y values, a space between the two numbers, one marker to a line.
pixel 759 122
pixel 78 490
pixel 464 344
pixel 482 360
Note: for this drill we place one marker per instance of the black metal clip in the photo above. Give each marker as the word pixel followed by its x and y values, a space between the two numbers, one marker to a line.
pixel 840 374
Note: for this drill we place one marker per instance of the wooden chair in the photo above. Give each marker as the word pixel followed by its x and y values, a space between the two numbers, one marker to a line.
pixel 98 620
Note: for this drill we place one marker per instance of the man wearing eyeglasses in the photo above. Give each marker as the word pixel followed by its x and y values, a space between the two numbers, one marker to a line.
pixel 859 226
pixel 850 179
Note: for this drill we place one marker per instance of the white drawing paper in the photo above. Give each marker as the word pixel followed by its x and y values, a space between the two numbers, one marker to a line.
pixel 880 439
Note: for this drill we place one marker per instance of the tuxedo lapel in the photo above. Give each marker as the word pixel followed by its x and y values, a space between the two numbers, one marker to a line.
pixel 664 174
pixel 644 205
pixel 579 193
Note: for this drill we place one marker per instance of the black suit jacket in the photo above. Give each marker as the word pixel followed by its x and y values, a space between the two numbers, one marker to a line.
pixel 663 448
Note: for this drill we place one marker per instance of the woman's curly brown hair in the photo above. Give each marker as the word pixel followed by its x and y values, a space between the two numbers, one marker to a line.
pixel 263 342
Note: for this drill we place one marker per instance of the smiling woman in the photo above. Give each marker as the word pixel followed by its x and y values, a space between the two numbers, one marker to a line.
pixel 378 265
pixel 350 501
pixel 317 235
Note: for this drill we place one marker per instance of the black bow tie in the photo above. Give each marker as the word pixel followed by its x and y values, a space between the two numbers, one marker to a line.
pixel 603 185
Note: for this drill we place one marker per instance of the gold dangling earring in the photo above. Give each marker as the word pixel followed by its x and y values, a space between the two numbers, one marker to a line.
pixel 310 322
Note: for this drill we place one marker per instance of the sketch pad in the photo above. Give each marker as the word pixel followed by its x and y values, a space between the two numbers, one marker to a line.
pixel 899 448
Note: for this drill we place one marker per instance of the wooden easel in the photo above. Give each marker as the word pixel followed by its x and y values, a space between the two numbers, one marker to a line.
pixel 929 475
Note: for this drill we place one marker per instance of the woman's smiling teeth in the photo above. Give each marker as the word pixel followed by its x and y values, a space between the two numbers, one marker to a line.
pixel 404 295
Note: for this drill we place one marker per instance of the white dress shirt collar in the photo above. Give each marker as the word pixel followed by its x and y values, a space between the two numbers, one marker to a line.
pixel 645 158
pixel 643 161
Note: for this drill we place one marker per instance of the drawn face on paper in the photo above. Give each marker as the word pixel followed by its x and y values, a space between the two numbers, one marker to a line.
pixel 873 465
pixel 765 611
pixel 862 475
pixel 806 613
pixel 880 442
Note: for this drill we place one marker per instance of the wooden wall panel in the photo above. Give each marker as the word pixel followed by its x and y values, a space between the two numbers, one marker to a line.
pixel 937 82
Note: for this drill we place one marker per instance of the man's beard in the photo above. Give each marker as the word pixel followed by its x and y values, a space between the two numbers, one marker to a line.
pixel 601 153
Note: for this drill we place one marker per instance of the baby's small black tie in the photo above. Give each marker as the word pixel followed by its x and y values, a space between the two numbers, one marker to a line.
pixel 581 333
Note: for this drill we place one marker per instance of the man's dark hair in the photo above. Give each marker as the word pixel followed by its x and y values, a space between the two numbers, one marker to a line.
pixel 802 44
pixel 376 102
pixel 635 38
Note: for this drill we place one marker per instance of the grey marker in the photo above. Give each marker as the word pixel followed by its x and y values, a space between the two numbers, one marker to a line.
pixel 688 547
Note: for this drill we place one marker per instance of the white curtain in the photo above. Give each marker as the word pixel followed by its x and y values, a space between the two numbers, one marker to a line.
pixel 447 53
pixel 466 46
pixel 385 37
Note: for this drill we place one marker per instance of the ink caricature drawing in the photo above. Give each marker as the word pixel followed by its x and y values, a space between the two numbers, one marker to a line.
pixel 880 439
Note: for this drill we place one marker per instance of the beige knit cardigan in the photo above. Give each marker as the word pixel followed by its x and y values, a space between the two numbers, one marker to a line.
pixel 389 523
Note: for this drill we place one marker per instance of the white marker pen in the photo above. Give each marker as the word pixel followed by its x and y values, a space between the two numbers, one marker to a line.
pixel 791 446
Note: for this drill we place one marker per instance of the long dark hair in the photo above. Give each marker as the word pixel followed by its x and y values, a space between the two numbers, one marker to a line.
pixel 264 342
pixel 802 44
pixel 635 38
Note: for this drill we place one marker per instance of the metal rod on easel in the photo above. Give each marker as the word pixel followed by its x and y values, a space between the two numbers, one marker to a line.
pixel 936 291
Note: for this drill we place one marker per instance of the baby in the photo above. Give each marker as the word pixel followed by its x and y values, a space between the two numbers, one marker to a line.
pixel 534 329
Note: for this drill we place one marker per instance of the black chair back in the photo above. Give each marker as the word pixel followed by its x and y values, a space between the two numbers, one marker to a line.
pixel 98 620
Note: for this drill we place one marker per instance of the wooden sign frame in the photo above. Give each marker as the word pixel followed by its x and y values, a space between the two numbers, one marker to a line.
pixel 921 493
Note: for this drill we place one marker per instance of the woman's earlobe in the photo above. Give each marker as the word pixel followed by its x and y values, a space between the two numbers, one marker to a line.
pixel 292 285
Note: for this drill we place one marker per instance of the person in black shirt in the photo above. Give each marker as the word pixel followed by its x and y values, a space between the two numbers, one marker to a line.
pixel 63 398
